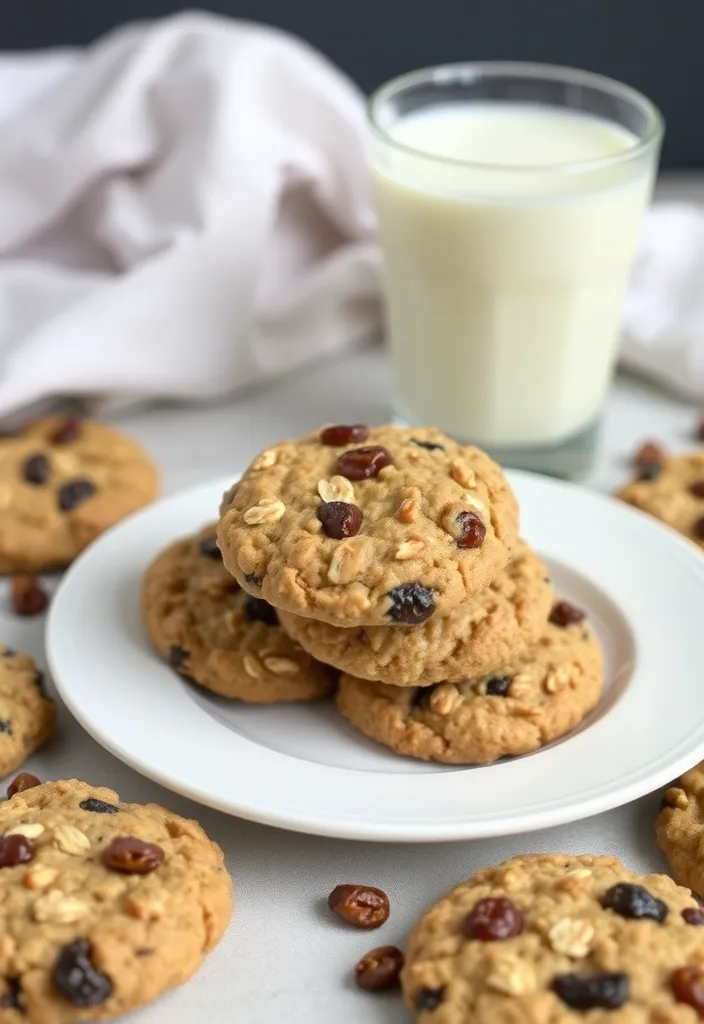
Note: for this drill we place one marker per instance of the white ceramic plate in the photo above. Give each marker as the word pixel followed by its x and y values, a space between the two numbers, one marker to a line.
pixel 304 768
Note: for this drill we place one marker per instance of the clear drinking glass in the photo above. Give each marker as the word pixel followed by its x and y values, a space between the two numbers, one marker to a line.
pixel 510 199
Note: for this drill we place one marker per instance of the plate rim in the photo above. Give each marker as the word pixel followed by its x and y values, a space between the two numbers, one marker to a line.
pixel 456 831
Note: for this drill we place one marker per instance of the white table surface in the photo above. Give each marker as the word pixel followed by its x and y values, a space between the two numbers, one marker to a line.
pixel 284 959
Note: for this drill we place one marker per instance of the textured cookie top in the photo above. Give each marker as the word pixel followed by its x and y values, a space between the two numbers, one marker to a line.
pixel 212 632
pixel 26 713
pixel 557 939
pixel 517 708
pixel 680 829
pixel 63 482
pixel 368 525
pixel 672 490
pixel 104 904
pixel 483 633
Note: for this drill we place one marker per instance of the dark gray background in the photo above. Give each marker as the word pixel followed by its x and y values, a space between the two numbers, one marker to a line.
pixel 655 45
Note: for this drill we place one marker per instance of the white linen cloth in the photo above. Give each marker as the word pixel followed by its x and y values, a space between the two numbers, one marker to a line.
pixel 185 210
pixel 663 316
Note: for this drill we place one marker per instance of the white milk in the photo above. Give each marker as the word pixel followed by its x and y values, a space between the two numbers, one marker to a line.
pixel 504 284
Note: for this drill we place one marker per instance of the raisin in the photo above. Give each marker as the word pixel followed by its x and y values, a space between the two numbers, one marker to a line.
pixel 649 454
pixel 498 687
pixel 28 595
pixel 76 978
pixel 178 656
pixel 379 969
pixel 36 469
pixel 693 916
pixel 98 806
pixel 697 488
pixel 340 519
pixel 75 492
pixel 698 529
pixel 21 783
pixel 411 603
pixel 252 580
pixel 634 901
pixel 649 471
pixel 209 549
pixel 15 850
pixel 493 920
pixel 363 463
pixel 364 906
pixel 687 984
pixel 11 999
pixel 38 680
pixel 429 998
pixel 428 445
pixel 258 610
pixel 470 529
pixel 132 856
pixel 586 992
pixel 338 435
pixel 69 430
pixel 6 726
pixel 8 652
pixel 565 614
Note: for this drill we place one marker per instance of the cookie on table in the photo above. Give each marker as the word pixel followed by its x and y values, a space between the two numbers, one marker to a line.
pixel 361 525
pixel 26 713
pixel 671 488
pixel 63 481
pixel 105 905
pixel 680 829
pixel 208 629
pixel 558 939
pixel 498 624
pixel 518 708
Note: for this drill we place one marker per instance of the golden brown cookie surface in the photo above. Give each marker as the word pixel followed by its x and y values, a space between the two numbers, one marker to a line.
pixel 485 631
pixel 672 490
pixel 680 828
pixel 211 631
pixel 553 939
pixel 26 713
pixel 368 525
pixel 63 482
pixel 105 904
pixel 519 708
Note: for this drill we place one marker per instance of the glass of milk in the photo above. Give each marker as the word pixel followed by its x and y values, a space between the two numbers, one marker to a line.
pixel 509 198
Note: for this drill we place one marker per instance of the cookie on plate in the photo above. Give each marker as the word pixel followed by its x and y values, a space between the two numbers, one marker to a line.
pixel 497 625
pixel 520 707
pixel 559 939
pixel 63 481
pixel 26 713
pixel 361 525
pixel 105 904
pixel 215 634
pixel 680 829
pixel 671 488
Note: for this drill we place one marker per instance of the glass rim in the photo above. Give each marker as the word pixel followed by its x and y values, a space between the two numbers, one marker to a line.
pixel 440 74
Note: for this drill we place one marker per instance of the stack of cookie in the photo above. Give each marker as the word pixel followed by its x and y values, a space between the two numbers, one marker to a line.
pixel 393 556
